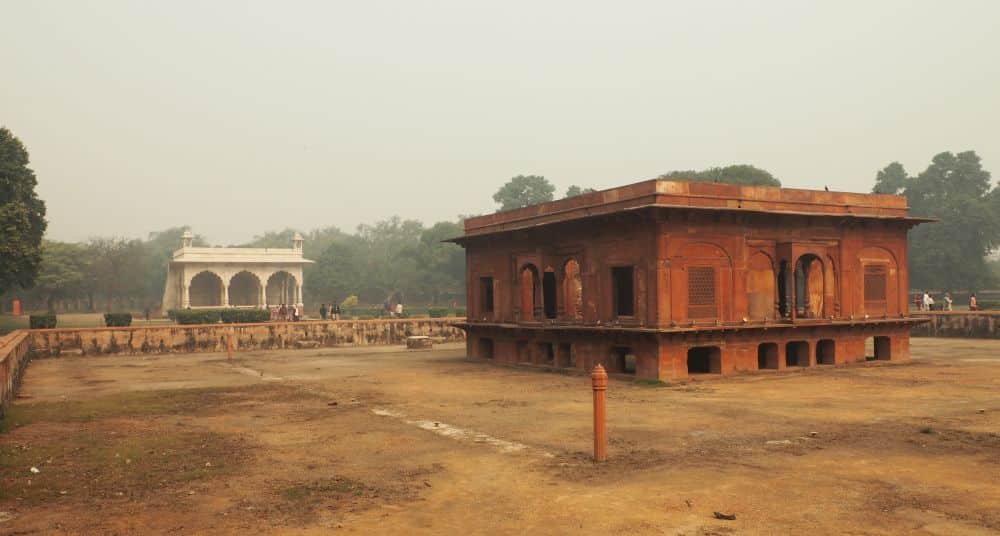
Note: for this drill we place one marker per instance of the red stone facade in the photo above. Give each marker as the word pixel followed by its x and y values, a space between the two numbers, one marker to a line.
pixel 666 279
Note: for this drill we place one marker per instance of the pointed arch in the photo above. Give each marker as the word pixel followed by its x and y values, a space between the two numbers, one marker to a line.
pixel 206 290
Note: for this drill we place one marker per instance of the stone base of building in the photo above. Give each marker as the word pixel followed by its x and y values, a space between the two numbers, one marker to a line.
pixel 670 355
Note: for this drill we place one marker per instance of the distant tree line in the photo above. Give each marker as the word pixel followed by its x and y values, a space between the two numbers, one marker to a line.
pixel 393 257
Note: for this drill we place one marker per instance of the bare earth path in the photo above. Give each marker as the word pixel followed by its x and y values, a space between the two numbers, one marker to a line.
pixel 360 441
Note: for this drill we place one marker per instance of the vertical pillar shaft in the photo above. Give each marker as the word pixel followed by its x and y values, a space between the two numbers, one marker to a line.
pixel 599 379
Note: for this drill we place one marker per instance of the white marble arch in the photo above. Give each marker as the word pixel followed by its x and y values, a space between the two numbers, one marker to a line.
pixel 227 264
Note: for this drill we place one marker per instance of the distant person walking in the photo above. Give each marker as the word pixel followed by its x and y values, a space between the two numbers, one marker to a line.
pixel 282 313
pixel 336 312
pixel 928 301
pixel 399 310
pixel 322 311
pixel 947 301
pixel 973 302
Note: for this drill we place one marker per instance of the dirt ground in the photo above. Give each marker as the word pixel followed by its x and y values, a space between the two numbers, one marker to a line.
pixel 388 441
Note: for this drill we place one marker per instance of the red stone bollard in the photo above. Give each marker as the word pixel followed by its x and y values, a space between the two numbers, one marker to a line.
pixel 599 379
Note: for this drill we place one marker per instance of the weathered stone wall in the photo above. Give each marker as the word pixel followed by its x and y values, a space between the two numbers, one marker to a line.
pixel 972 324
pixel 14 356
pixel 213 337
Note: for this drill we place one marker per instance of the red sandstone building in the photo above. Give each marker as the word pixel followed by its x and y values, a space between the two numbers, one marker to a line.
pixel 665 279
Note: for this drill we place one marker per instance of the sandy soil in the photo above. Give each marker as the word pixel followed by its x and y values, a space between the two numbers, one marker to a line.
pixel 388 441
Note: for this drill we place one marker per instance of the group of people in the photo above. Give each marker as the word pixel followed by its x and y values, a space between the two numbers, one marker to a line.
pixel 288 313
pixel 395 311
pixel 926 302
pixel 333 312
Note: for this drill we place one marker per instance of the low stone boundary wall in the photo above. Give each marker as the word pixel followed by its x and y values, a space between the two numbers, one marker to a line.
pixel 214 337
pixel 14 356
pixel 968 324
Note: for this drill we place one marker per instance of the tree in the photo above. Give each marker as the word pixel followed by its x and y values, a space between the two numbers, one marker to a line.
pixel 22 216
pixel 736 174
pixel 575 190
pixel 117 267
pixel 524 190
pixel 950 254
pixel 64 273
pixel 891 180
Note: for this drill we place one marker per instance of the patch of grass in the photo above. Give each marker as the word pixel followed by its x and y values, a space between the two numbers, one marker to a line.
pixel 328 487
pixel 99 462
pixel 651 383
pixel 135 404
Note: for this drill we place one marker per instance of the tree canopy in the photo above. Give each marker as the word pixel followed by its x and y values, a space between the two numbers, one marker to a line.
pixel 734 174
pixel 575 190
pixel 22 216
pixel 950 254
pixel 524 190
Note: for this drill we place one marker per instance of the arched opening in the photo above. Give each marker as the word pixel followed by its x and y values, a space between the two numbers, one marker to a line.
pixel 704 360
pixel 760 287
pixel 797 354
pixel 205 290
pixel 244 290
pixel 486 348
pixel 282 288
pixel 572 290
pixel 622 360
pixel 529 282
pixel 767 356
pixel 878 348
pixel 546 353
pixel 809 282
pixel 826 352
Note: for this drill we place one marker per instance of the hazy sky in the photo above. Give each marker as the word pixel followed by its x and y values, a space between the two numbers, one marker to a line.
pixel 241 117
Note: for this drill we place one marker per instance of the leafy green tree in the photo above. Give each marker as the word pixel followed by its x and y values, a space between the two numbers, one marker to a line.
pixel 524 190
pixel 890 180
pixel 950 254
pixel 117 268
pixel 736 174
pixel 575 190
pixel 64 273
pixel 22 216
pixel 440 265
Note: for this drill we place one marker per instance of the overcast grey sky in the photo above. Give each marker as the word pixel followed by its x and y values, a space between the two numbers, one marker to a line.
pixel 242 117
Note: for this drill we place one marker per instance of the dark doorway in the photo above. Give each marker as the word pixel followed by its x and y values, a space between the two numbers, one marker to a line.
pixel 797 354
pixel 826 352
pixel 486 294
pixel 767 356
pixel 546 353
pixel 622 360
pixel 883 348
pixel 623 290
pixel 565 356
pixel 704 360
pixel 784 290
pixel 549 294
pixel 486 348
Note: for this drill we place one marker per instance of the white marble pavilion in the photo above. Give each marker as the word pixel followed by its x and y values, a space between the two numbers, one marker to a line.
pixel 234 277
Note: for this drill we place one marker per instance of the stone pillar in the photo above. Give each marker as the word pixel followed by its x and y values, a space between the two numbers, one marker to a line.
pixel 185 296
pixel 225 295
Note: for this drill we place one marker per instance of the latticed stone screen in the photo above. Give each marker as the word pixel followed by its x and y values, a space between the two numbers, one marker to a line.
pixel 701 292
pixel 875 276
